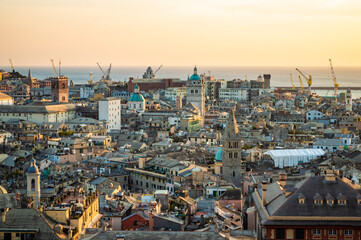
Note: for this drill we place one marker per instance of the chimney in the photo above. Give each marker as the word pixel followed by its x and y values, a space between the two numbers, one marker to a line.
pixel 141 162
pixel 151 220
pixel 264 192
pixel 330 175
pixel 283 179
pixel 105 225
pixel 179 103
pixel 70 234
pixel 4 216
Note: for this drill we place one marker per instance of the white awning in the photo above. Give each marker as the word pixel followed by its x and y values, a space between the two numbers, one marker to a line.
pixel 94 221
pixel 292 157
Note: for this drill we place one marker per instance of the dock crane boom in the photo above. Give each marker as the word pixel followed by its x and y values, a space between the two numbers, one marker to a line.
pixel 309 79
pixel 11 65
pixel 157 70
pixel 335 83
pixel 101 69
pixel 107 76
pixel 293 85
pixel 299 77
pixel 54 70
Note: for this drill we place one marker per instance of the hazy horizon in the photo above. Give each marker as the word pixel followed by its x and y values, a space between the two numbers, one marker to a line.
pixel 154 67
pixel 181 33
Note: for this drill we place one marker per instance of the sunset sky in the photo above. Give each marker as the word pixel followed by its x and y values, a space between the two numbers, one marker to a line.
pixel 186 32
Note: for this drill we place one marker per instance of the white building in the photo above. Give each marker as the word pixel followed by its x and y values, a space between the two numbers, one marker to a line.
pixel 39 112
pixel 332 145
pixel 174 121
pixel 313 115
pixel 172 93
pixel 236 94
pixel 6 99
pixel 110 112
pixel 87 92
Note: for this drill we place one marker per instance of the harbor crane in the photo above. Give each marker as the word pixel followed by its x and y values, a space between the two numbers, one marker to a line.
pixel 157 70
pixel 101 69
pixel 106 74
pixel 293 85
pixel 309 79
pixel 54 70
pixel 11 65
pixel 303 89
pixel 107 77
pixel 335 83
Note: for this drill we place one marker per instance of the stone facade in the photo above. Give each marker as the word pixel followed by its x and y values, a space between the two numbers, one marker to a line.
pixel 348 101
pixel 59 89
pixel 232 157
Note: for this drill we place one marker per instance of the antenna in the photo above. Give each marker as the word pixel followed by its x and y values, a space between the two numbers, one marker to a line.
pixel 59 67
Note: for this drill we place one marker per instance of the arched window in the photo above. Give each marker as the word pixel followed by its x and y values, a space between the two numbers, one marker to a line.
pixel 33 184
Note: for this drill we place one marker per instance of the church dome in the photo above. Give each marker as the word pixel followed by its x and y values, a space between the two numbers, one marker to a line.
pixel 195 75
pixel 136 96
pixel 33 168
pixel 219 155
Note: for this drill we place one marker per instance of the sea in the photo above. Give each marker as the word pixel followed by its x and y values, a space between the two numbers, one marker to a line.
pixel 280 76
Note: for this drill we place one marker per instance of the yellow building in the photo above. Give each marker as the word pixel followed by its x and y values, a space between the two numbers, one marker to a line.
pixel 90 216
pixel 6 99
pixel 191 123
pixel 83 212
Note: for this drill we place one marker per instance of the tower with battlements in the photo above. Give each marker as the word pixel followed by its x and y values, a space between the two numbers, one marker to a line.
pixel 59 89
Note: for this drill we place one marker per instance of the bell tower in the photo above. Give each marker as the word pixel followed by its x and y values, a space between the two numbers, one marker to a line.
pixel 232 165
pixel 348 106
pixel 59 89
pixel 33 183
pixel 195 93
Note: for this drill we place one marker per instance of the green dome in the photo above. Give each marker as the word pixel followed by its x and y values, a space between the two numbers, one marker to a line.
pixel 195 77
pixel 219 155
pixel 136 97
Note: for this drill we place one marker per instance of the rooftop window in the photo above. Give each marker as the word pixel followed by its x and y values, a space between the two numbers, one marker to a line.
pixel 318 199
pixel 341 199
